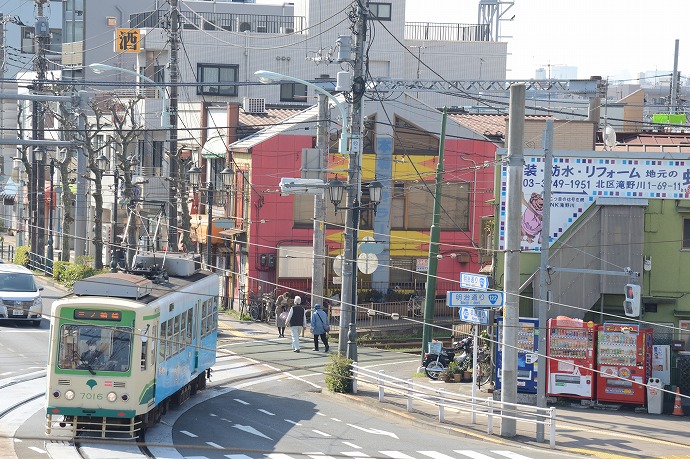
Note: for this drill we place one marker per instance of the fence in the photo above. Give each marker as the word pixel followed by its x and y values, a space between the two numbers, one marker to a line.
pixel 6 252
pixel 487 408
pixel 38 262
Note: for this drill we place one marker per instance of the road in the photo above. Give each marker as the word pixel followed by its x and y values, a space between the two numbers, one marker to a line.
pixel 263 401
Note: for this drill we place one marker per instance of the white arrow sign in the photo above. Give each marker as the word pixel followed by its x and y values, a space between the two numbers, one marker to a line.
pixel 251 430
pixel 374 431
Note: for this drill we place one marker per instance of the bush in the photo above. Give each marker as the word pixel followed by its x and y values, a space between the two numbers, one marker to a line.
pixel 67 273
pixel 339 374
pixel 21 255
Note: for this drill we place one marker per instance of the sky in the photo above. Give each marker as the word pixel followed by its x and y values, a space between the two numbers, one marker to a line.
pixel 615 39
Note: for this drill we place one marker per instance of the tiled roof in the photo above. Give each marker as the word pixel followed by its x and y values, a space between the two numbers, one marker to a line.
pixel 652 142
pixel 488 125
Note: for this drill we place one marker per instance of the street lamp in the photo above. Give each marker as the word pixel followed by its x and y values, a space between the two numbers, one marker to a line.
pixel 102 163
pixel 165 115
pixel 267 77
pixel 195 180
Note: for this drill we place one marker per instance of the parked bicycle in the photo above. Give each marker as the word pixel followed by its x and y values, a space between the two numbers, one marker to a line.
pixel 256 306
pixel 461 353
pixel 414 305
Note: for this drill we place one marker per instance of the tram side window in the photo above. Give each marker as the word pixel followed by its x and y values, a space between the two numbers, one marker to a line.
pixel 176 335
pixel 190 325
pixel 169 349
pixel 204 318
pixel 162 345
pixel 214 321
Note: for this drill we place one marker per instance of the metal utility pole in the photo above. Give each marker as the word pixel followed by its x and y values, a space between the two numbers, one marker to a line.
pixel 543 267
pixel 173 155
pixel 349 291
pixel 434 239
pixel 516 163
pixel 674 80
pixel 41 37
pixel 319 266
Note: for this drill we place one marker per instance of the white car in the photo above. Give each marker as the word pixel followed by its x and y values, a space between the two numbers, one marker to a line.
pixel 20 297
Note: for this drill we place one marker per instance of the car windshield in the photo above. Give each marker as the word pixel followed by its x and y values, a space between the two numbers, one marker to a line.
pixel 87 347
pixel 17 282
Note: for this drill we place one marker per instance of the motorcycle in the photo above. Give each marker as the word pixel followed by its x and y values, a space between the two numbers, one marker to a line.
pixel 461 353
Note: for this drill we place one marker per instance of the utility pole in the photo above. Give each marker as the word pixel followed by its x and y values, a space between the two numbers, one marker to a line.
pixel 516 163
pixel 674 80
pixel 434 239
pixel 543 267
pixel 349 291
pixel 41 37
pixel 319 265
pixel 173 155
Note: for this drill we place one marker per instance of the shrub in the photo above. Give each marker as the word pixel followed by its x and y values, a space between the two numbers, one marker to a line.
pixel 67 273
pixel 21 255
pixel 339 374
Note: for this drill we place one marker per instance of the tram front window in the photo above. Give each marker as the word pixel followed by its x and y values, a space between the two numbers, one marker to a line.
pixel 86 347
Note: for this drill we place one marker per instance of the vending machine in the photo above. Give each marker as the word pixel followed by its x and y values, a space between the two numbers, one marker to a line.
pixel 570 350
pixel 624 361
pixel 527 344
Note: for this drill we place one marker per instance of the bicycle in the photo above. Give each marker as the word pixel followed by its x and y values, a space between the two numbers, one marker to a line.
pixel 485 367
pixel 255 306
pixel 414 306
pixel 269 303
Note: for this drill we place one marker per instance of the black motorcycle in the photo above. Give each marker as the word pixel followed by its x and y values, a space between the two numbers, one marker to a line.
pixel 461 352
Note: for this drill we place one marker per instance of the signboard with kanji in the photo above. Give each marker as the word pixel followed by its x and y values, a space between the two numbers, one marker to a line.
pixel 127 40
pixel 577 182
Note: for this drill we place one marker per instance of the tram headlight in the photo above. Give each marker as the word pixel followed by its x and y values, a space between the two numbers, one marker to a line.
pixel 112 396
pixel 69 394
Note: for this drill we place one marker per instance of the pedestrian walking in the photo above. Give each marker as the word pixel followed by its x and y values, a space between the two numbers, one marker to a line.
pixel 320 327
pixel 298 320
pixel 281 320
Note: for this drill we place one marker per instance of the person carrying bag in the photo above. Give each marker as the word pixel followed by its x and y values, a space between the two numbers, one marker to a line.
pixel 320 327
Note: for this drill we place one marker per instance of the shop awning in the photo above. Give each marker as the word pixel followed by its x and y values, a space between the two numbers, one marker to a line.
pixel 199 227
pixel 215 147
pixel 10 189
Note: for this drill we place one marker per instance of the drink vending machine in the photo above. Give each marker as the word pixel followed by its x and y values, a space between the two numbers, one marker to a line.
pixel 624 361
pixel 570 350
pixel 527 344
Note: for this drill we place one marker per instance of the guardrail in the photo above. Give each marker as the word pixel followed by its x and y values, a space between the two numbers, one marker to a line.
pixel 38 262
pixel 440 399
pixel 6 252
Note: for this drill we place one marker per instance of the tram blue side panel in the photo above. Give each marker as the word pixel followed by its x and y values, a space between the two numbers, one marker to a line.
pixel 174 373
pixel 207 353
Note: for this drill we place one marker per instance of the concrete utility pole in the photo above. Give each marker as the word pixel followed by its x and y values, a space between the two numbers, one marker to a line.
pixel 516 163
pixel 543 267
pixel 80 202
pixel 674 80
pixel 349 291
pixel 173 156
pixel 319 266
pixel 41 37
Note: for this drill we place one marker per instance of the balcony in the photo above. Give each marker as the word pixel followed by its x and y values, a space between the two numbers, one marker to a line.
pixel 446 31
pixel 261 23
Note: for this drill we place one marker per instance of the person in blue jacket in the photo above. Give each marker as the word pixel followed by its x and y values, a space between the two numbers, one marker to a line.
pixel 319 327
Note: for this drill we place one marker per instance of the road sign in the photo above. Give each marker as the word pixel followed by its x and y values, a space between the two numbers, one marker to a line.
pixel 474 281
pixel 477 316
pixel 475 299
pixel 367 262
pixel 369 245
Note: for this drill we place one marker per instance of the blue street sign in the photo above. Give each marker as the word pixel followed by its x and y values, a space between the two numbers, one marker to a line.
pixel 474 281
pixel 477 316
pixel 475 299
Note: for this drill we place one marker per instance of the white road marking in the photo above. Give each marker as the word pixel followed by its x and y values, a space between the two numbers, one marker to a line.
pixel 237 456
pixel 374 431
pixel 213 415
pixel 336 420
pixel 292 422
pixel 240 401
pixel 324 434
pixel 278 456
pixel 251 430
pixel 351 445
pixel 472 454
pixel 319 456
pixel 320 414
pixel 511 454
pixel 189 434
pixel 215 445
pixel 38 450
pixel 354 454
pixel 266 412
pixel 396 454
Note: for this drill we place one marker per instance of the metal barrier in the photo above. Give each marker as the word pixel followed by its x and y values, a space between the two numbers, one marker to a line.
pixel 485 407
pixel 6 252
pixel 38 262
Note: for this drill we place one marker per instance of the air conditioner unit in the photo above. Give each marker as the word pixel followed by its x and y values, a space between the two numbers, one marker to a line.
pixel 261 29
pixel 287 30
pixel 254 105
pixel 245 27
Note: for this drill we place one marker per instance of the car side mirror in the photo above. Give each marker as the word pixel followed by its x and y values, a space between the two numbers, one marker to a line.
pixel 40 287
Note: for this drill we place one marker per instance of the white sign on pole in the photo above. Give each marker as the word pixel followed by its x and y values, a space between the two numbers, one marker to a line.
pixel 475 299
pixel 479 316
pixel 474 281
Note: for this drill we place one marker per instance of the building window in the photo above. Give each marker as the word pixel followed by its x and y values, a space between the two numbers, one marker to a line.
pixel 217 73
pixel 380 11
pixel 418 204
pixel 686 233
pixel 293 92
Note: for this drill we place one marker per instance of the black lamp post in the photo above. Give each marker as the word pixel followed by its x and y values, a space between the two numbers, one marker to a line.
pixel 50 215
pixel 195 180
pixel 102 163
pixel 336 188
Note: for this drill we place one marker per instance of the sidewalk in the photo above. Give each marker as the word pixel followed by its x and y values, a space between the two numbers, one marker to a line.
pixel 587 431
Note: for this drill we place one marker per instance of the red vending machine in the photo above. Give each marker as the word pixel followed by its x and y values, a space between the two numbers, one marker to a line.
pixel 570 347
pixel 624 361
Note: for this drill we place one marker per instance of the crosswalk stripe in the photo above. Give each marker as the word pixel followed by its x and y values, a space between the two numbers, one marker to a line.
pixel 396 454
pixel 278 456
pixel 238 456
pixel 472 454
pixel 354 454
pixel 435 455
pixel 511 454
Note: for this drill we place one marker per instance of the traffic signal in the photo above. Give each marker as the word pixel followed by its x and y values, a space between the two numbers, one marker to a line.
pixel 631 305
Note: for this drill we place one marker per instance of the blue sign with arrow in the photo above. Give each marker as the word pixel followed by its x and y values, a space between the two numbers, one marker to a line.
pixel 475 299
